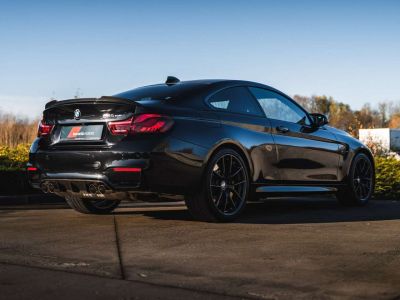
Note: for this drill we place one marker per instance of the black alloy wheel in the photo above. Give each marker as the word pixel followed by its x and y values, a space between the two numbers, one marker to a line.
pixel 228 184
pixel 361 182
pixel 224 190
pixel 362 178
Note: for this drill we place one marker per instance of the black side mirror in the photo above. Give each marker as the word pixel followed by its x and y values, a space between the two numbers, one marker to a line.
pixel 319 120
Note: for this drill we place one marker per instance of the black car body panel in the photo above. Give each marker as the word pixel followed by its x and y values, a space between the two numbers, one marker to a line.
pixel 278 153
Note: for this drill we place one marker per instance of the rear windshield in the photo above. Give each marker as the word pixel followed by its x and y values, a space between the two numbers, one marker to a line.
pixel 162 92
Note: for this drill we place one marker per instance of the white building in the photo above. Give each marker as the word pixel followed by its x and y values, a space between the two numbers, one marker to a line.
pixel 387 138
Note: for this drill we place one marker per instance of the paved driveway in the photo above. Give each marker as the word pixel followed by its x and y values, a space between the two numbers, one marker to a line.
pixel 281 249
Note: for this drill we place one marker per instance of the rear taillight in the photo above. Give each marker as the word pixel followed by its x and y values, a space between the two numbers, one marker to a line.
pixel 44 129
pixel 151 123
pixel 144 123
pixel 120 127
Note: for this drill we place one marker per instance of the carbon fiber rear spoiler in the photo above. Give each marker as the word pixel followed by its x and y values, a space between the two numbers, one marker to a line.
pixel 108 99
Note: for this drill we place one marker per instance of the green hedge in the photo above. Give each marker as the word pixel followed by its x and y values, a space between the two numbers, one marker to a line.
pixel 13 177
pixel 387 185
pixel 14 159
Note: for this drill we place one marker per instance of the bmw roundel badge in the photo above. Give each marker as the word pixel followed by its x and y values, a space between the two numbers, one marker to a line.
pixel 77 114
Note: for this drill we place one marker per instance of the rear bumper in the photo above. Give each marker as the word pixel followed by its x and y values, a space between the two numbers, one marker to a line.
pixel 40 177
pixel 96 166
pixel 107 184
pixel 174 168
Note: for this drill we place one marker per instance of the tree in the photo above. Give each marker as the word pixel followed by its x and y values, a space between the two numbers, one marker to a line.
pixel 341 116
pixel 306 102
pixel 367 117
pixel 395 121
pixel 382 108
pixel 322 104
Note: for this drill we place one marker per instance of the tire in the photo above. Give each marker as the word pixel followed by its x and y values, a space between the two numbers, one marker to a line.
pixel 224 189
pixel 91 206
pixel 360 184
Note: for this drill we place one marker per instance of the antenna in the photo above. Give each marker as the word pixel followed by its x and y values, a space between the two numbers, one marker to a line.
pixel 171 80
pixel 78 93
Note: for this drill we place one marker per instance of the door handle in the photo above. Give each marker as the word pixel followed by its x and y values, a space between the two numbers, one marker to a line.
pixel 282 129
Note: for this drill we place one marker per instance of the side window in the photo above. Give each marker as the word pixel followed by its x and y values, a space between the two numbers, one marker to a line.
pixel 278 107
pixel 236 100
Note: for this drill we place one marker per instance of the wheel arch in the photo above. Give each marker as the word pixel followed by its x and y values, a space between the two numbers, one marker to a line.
pixel 368 153
pixel 230 144
pixel 360 150
pixel 346 195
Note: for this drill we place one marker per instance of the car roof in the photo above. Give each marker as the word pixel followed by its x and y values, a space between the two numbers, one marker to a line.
pixel 183 86
pixel 210 82
pixel 187 93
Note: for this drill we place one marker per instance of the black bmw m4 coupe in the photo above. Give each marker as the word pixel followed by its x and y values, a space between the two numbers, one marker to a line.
pixel 217 143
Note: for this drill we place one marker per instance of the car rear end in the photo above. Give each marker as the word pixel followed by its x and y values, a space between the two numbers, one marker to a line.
pixel 105 148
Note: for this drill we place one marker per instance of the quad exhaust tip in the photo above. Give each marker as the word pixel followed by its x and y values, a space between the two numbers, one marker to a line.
pixel 101 188
pixel 48 187
pixel 93 188
pixel 97 188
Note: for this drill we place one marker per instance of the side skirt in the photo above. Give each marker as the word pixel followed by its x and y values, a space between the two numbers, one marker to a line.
pixel 294 189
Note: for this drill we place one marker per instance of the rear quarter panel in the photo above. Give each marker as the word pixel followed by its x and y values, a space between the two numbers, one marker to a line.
pixel 211 130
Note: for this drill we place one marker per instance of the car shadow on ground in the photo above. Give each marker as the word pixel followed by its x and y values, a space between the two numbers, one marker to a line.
pixel 293 211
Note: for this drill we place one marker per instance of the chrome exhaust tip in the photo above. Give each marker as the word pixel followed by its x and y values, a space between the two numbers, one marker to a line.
pixel 101 189
pixel 93 188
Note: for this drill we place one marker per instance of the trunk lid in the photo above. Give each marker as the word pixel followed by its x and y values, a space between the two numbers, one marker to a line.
pixel 91 110
pixel 83 121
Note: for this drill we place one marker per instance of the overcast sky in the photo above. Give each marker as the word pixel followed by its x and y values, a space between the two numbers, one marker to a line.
pixel 346 49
